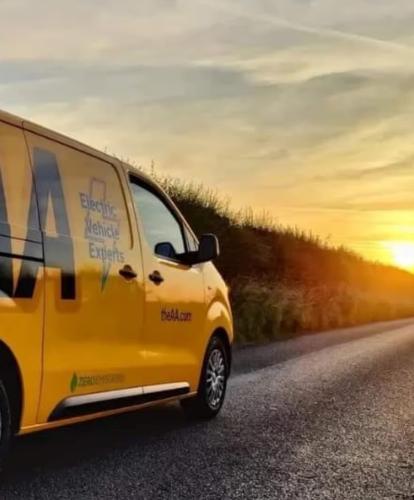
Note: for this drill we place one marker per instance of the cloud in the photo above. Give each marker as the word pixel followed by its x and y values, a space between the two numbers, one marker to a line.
pixel 398 168
pixel 321 32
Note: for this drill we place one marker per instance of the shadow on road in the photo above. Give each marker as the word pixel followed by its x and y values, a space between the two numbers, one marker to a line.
pixel 82 443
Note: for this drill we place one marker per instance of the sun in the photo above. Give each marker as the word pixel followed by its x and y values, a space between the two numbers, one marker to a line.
pixel 403 254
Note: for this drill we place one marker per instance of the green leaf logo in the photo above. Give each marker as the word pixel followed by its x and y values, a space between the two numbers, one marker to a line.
pixel 106 267
pixel 74 383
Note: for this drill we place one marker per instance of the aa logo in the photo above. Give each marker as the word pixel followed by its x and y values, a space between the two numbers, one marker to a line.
pixel 58 249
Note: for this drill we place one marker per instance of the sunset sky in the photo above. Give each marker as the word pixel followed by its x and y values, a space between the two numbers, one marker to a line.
pixel 304 108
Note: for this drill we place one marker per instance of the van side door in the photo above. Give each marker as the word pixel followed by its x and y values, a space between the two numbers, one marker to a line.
pixel 94 312
pixel 175 308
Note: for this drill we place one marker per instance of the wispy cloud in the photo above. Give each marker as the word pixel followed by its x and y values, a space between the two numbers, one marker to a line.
pixel 321 32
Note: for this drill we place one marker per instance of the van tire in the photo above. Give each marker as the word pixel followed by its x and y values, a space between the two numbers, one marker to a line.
pixel 213 383
pixel 6 432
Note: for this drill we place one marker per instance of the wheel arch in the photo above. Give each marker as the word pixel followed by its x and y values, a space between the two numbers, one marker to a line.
pixel 12 379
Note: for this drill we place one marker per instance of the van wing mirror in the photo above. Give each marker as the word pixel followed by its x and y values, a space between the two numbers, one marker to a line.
pixel 208 249
pixel 165 249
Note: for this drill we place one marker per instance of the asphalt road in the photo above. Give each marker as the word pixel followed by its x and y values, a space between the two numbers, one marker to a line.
pixel 324 416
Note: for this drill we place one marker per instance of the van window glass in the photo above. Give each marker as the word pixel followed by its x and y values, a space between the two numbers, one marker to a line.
pixel 160 225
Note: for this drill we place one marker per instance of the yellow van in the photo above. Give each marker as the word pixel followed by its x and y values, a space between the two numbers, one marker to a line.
pixel 108 302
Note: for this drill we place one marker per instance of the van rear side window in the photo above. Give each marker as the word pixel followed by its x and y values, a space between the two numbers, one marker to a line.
pixel 159 223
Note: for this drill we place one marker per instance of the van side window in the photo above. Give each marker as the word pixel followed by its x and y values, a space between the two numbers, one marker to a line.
pixel 159 223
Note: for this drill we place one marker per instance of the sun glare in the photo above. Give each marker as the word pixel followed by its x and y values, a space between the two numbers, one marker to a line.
pixel 403 254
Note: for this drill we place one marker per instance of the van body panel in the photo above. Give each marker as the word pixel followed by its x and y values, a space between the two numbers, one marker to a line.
pixel 93 320
pixel 174 321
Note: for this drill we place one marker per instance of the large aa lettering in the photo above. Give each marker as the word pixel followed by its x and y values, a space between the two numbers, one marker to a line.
pixel 6 265
pixel 29 268
pixel 58 250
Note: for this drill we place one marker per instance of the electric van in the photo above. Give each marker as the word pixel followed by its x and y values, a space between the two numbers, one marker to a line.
pixel 108 301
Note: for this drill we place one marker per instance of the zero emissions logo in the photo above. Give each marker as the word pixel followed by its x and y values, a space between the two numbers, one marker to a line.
pixel 92 380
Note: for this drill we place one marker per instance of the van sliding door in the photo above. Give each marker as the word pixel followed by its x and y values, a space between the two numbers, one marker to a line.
pixel 94 282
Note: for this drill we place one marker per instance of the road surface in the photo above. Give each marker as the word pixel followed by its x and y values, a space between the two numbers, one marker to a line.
pixel 329 416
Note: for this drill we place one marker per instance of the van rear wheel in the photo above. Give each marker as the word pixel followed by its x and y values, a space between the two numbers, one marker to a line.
pixel 213 383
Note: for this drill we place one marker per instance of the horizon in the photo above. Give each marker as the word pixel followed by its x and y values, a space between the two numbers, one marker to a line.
pixel 314 99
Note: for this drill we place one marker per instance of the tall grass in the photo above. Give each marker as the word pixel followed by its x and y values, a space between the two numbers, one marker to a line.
pixel 283 280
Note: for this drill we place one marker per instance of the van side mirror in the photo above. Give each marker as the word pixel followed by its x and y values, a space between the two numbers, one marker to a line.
pixel 208 249
pixel 165 249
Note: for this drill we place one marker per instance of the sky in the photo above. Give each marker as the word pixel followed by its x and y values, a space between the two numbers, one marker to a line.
pixel 301 108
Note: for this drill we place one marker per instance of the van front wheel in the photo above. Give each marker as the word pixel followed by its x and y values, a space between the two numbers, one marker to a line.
pixel 213 383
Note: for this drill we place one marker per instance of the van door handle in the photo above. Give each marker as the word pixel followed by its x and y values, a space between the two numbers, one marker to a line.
pixel 127 272
pixel 156 277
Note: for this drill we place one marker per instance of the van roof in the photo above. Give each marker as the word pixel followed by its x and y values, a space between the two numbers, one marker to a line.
pixel 68 141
